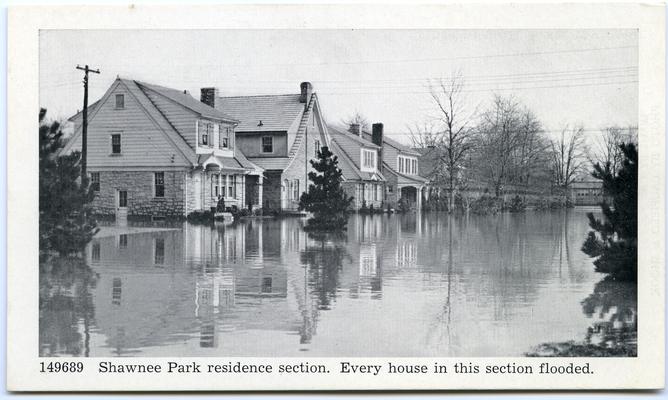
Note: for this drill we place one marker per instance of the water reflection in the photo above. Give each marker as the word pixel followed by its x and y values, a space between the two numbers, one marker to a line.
pixel 399 285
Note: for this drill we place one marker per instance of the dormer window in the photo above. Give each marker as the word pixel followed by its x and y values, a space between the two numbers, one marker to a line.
pixel 368 160
pixel 120 101
pixel 267 144
pixel 224 138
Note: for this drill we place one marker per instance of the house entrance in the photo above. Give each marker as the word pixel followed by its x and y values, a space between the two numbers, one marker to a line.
pixel 121 207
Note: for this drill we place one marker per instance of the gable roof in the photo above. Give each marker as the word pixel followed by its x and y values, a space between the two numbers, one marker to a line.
pixel 340 134
pixel 348 167
pixel 187 101
pixel 277 112
pixel 151 111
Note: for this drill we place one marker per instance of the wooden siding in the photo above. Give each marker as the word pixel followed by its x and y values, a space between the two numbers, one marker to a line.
pixel 251 144
pixel 142 142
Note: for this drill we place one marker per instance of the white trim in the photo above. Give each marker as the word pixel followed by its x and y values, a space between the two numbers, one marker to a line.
pixel 363 167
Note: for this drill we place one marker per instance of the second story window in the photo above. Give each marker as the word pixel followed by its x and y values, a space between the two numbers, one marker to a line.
pixel 116 143
pixel 224 138
pixel 368 159
pixel 95 181
pixel 159 184
pixel 267 144
pixel 120 101
pixel 408 165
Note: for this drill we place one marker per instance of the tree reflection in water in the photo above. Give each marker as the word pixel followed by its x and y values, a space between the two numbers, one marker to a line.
pixel 613 304
pixel 323 260
pixel 66 308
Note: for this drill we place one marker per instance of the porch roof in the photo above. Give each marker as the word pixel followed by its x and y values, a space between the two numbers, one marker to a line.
pixel 406 180
pixel 225 163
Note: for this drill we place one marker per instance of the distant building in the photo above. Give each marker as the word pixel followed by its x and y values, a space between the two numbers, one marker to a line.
pixel 359 161
pixel 586 192
pixel 158 152
pixel 400 168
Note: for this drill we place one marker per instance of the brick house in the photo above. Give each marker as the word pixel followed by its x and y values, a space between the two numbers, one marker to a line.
pixel 280 134
pixel 158 152
pixel 359 161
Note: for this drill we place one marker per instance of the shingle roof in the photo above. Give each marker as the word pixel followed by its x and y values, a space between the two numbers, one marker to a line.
pixel 391 142
pixel 187 101
pixel 271 163
pixel 348 167
pixel 277 112
pixel 339 132
pixel 405 179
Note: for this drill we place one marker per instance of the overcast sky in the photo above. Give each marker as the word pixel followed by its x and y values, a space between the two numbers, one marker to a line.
pixel 586 77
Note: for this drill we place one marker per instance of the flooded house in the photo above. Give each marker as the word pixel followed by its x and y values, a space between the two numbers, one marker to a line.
pixel 359 161
pixel 280 134
pixel 158 152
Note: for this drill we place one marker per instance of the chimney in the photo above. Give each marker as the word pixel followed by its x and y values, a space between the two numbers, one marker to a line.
pixel 208 96
pixel 377 139
pixel 306 90
pixel 354 129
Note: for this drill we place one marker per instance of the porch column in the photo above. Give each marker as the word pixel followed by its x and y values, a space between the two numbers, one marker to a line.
pixel 259 191
pixel 419 198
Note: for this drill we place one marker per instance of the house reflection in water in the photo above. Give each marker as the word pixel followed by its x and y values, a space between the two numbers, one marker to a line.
pixel 152 277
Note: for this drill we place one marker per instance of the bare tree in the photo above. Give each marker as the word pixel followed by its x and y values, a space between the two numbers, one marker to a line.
pixel 425 135
pixel 455 139
pixel 567 156
pixel 605 148
pixel 356 118
pixel 497 141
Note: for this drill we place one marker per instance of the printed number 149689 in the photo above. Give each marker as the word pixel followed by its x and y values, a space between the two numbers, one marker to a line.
pixel 57 366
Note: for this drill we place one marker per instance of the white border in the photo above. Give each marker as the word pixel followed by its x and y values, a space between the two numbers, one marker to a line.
pixel 645 371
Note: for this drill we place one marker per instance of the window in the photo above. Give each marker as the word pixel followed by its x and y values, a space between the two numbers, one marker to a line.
pixel 232 186
pixel 224 138
pixel 116 143
pixel 295 187
pixel 95 181
pixel 408 165
pixel 379 192
pixel 205 134
pixel 120 101
pixel 214 185
pixel 368 159
pixel 267 144
pixel 316 146
pixel 159 184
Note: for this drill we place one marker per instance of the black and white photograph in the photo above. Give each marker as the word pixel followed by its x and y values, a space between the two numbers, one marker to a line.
pixel 338 193
pixel 381 205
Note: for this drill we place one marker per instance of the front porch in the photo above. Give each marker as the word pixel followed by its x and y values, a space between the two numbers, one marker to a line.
pixel 231 188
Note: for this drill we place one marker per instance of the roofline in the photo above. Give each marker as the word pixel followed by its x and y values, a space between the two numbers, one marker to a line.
pixel 148 86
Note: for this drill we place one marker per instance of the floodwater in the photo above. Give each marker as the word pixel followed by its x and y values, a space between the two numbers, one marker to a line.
pixel 397 285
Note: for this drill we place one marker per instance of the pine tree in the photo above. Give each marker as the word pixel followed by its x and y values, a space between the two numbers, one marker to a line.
pixel 65 221
pixel 615 239
pixel 325 197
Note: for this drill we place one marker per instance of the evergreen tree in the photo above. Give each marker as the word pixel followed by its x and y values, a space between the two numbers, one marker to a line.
pixel 65 221
pixel 615 239
pixel 325 197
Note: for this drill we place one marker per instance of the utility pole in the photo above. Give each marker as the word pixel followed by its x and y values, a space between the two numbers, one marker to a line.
pixel 84 126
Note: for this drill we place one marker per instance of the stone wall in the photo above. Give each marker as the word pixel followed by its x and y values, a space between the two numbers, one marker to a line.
pixel 141 201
